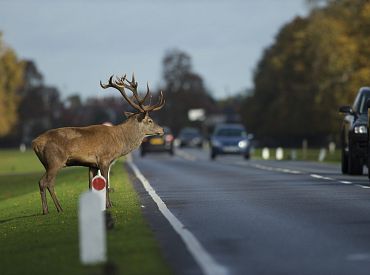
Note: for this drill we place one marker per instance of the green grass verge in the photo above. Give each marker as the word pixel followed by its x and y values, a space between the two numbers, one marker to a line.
pixel 311 154
pixel 31 243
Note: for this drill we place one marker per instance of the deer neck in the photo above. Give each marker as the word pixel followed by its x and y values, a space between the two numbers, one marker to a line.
pixel 131 136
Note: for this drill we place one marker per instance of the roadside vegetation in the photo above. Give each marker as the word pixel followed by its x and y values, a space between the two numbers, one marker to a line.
pixel 32 243
pixel 300 155
pixel 316 64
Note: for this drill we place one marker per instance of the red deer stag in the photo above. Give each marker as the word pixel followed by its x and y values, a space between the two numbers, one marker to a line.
pixel 95 146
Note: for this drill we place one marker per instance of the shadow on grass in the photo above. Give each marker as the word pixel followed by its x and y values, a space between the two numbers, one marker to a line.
pixel 18 218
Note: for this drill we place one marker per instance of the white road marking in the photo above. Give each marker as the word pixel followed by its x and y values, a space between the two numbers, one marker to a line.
pixel 320 177
pixel 187 156
pixel 288 171
pixel 277 169
pixel 362 186
pixel 208 265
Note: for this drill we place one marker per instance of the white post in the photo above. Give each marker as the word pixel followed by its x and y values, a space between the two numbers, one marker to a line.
pixel 332 147
pixel 304 148
pixel 293 154
pixel 98 186
pixel 22 147
pixel 265 153
pixel 279 153
pixel 92 234
pixel 322 154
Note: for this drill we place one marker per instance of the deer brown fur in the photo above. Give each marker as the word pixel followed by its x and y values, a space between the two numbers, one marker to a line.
pixel 96 146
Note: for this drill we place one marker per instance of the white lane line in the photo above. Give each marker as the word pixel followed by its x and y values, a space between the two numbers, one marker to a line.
pixel 321 177
pixel 363 186
pixel 277 169
pixel 345 182
pixel 316 176
pixel 208 265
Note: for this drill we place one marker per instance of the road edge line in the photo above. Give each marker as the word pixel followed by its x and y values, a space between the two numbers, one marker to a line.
pixel 207 264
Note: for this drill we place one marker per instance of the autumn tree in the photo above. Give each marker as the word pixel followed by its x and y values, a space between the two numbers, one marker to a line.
pixel 11 74
pixel 315 65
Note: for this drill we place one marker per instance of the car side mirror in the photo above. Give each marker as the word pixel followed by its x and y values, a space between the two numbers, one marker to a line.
pixel 347 109
pixel 250 136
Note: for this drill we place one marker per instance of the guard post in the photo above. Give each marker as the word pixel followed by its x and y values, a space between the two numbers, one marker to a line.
pixel 98 186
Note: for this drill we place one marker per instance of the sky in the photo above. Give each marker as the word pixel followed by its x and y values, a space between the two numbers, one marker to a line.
pixel 77 43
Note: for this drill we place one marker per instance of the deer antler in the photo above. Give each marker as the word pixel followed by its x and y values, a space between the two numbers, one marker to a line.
pixel 119 85
pixel 132 85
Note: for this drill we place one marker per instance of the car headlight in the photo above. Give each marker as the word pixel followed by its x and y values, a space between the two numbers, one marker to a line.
pixel 361 129
pixel 243 143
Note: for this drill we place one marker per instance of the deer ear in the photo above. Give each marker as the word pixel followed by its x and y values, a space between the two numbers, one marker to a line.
pixel 128 114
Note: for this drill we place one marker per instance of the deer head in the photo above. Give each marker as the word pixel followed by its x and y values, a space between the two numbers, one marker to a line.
pixel 141 116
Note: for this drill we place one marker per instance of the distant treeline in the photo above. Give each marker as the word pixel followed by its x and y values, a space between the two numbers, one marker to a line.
pixel 28 107
pixel 315 65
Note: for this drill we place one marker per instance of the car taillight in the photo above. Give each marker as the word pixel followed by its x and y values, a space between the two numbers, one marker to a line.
pixel 169 138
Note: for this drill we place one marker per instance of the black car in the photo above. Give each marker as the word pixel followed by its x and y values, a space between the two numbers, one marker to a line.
pixel 354 134
pixel 189 136
pixel 158 143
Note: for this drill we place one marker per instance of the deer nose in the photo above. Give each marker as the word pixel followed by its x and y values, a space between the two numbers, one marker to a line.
pixel 161 132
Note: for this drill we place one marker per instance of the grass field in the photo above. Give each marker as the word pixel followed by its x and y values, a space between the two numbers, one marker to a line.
pixel 31 243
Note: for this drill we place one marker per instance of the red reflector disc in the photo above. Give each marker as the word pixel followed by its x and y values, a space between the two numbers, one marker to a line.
pixel 98 183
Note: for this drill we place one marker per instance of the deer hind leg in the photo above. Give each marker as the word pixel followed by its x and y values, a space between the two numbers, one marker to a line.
pixel 43 185
pixel 51 174
pixel 55 199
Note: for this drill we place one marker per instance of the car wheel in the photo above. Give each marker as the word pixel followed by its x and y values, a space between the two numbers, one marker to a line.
pixel 246 156
pixel 213 155
pixel 355 165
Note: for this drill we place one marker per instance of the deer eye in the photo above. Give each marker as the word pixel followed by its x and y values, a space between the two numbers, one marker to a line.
pixel 150 121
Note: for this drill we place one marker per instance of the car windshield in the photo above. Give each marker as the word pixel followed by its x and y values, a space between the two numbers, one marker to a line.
pixel 230 132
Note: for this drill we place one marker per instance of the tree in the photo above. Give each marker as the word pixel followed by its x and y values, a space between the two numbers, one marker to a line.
pixel 11 74
pixel 184 90
pixel 315 65
pixel 39 108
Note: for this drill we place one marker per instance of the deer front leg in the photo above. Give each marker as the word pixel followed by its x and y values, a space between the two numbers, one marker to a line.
pixel 92 173
pixel 104 171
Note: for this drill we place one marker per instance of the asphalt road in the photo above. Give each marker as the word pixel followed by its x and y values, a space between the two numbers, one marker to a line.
pixel 260 217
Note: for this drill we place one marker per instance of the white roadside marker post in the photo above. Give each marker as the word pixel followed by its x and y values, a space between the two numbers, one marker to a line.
pixel 265 153
pixel 22 147
pixel 92 227
pixel 293 154
pixel 92 232
pixel 98 186
pixel 332 147
pixel 322 154
pixel 279 153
